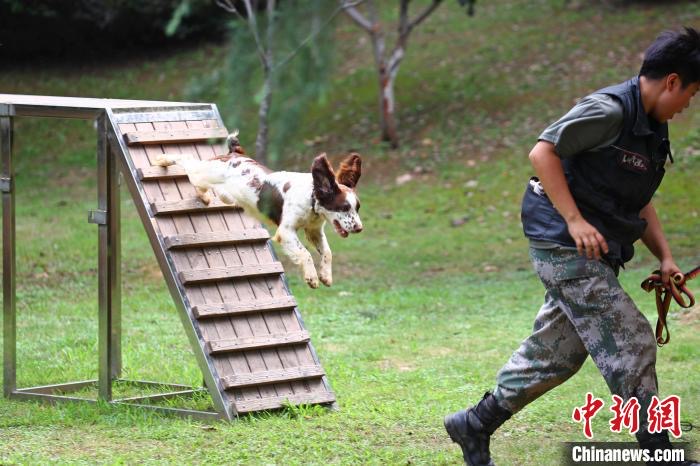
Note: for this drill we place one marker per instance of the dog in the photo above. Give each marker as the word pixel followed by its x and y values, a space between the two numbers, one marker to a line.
pixel 291 200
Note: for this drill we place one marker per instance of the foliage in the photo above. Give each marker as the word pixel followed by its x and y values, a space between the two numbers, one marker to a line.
pixel 299 80
pixel 47 27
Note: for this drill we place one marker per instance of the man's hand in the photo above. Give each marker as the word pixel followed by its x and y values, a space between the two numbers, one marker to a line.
pixel 588 239
pixel 548 167
pixel 655 240
pixel 668 269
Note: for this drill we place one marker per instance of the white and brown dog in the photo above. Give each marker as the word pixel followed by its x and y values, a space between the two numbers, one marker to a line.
pixel 291 200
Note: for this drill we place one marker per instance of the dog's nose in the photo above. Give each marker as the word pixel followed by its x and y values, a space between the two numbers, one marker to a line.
pixel 358 229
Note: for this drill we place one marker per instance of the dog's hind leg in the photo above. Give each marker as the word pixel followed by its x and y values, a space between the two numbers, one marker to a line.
pixel 317 237
pixel 165 160
pixel 224 195
pixel 298 254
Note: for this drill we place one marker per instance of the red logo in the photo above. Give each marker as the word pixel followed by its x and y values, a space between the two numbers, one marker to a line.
pixel 626 415
pixel 665 414
pixel 587 412
pixel 632 161
pixel 661 414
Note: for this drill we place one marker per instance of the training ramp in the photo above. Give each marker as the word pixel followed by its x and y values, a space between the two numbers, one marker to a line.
pixel 229 287
pixel 230 291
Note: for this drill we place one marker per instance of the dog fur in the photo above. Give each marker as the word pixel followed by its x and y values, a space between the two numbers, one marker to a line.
pixel 291 200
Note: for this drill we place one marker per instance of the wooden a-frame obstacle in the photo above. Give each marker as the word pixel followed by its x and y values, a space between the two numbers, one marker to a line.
pixel 230 291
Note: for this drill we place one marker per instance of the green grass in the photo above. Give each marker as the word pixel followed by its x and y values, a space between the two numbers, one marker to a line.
pixel 422 314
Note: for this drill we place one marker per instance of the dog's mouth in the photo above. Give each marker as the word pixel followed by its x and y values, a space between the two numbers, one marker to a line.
pixel 340 230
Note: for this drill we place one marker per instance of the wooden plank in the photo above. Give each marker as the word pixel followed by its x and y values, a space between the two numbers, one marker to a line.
pixel 235 271
pixel 174 136
pixel 276 402
pixel 227 309
pixel 216 238
pixel 262 341
pixel 186 206
pixel 156 172
pixel 274 376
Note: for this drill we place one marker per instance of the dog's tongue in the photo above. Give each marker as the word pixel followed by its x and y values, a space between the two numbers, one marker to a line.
pixel 340 229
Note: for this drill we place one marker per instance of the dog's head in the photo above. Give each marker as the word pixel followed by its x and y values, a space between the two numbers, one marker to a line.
pixel 337 199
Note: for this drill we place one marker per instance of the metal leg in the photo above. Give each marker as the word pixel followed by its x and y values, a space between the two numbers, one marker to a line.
pixel 8 261
pixel 104 266
pixel 115 284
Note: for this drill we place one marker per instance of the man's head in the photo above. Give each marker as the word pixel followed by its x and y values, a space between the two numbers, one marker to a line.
pixel 672 62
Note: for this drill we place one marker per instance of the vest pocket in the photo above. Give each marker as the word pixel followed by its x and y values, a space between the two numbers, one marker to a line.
pixel 536 212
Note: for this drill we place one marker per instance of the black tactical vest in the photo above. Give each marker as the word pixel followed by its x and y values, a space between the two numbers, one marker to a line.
pixel 610 185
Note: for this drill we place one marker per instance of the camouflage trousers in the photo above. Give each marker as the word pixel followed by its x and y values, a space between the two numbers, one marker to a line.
pixel 586 311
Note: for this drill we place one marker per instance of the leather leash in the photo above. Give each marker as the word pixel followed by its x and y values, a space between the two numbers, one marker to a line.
pixel 677 289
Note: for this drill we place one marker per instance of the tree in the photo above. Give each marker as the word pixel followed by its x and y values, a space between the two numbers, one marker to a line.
pixel 265 52
pixel 388 65
pixel 277 42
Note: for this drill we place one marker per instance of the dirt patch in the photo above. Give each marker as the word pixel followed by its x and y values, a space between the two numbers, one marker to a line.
pixel 690 316
pixel 148 272
pixel 334 348
pixel 396 364
pixel 438 351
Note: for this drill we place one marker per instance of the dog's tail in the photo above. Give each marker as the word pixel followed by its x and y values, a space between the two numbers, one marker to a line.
pixel 234 145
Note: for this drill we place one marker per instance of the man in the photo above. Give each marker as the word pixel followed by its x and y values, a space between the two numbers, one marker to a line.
pixel 598 168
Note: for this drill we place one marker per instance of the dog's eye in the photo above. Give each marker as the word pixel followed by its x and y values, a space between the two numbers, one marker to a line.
pixel 345 207
pixel 358 206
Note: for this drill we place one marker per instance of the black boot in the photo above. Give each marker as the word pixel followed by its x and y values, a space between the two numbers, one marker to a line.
pixel 659 441
pixel 472 429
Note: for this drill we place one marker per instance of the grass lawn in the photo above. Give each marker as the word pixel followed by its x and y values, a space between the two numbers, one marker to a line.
pixel 422 313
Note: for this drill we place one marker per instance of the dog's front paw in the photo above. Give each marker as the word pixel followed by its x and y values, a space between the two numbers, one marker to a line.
pixel 311 279
pixel 326 277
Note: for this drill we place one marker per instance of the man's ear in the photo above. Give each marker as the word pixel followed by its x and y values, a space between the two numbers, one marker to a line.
pixel 325 187
pixel 350 170
pixel 673 80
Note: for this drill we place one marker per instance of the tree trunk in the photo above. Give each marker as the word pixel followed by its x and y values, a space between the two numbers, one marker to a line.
pixel 261 141
pixel 263 119
pixel 387 106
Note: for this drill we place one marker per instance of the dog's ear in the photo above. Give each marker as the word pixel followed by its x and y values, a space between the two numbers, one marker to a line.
pixel 350 170
pixel 325 187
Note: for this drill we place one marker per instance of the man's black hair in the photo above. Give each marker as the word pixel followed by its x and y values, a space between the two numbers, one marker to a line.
pixel 674 52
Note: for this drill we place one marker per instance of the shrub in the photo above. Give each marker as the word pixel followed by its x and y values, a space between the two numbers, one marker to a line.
pixel 30 28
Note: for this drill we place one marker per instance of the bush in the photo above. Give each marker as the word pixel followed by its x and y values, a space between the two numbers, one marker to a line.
pixel 30 28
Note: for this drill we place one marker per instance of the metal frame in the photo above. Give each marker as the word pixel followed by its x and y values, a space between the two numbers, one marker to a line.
pixel 107 218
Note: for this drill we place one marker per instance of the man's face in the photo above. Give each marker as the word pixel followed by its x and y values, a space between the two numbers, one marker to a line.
pixel 675 98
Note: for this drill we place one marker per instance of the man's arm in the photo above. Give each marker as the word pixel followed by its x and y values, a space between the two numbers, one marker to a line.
pixel 655 240
pixel 549 170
